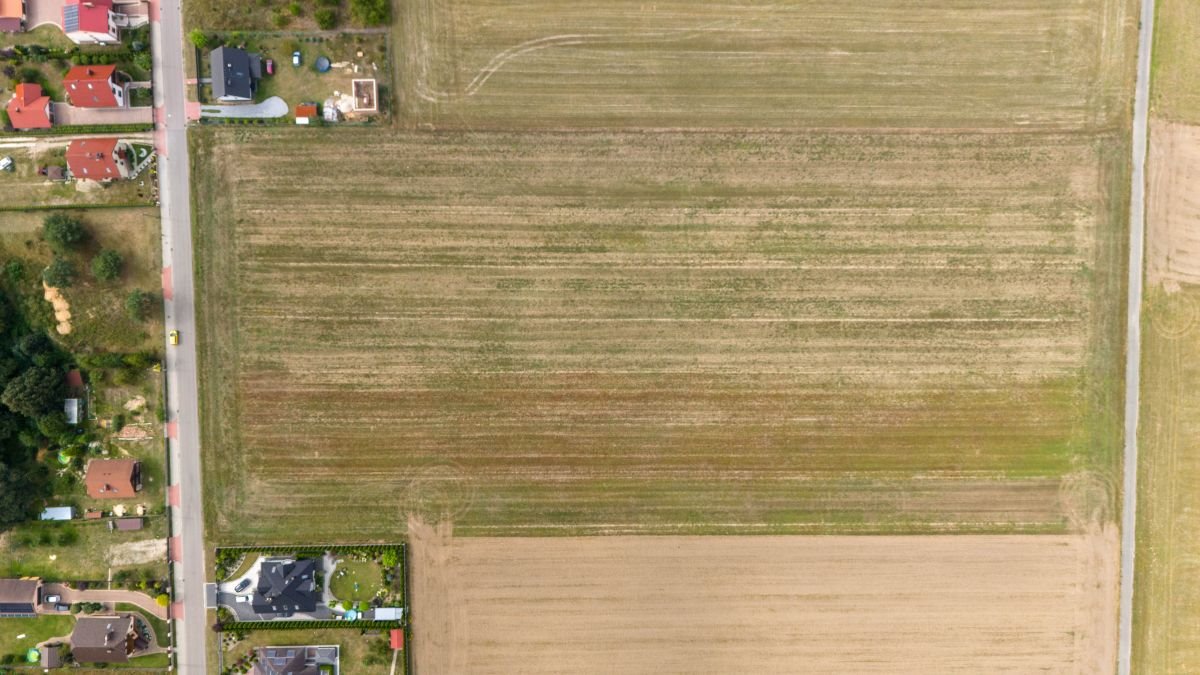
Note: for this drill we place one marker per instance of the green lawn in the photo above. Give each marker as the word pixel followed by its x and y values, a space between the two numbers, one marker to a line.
pixel 35 630
pixel 360 654
pixel 356 581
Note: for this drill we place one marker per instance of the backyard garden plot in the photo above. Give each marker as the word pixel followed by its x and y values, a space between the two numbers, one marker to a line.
pixel 657 332
pixel 757 63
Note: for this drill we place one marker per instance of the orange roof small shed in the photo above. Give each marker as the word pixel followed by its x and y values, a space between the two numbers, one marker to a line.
pixel 397 638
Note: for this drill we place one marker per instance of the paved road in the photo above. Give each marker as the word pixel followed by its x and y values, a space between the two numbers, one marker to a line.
pixel 1133 337
pixel 187 517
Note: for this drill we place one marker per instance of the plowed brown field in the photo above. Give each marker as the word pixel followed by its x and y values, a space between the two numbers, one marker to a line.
pixel 658 332
pixel 970 604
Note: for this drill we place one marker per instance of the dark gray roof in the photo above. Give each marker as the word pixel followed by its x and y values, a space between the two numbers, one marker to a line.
pixel 18 596
pixel 286 585
pixel 235 73
pixel 286 661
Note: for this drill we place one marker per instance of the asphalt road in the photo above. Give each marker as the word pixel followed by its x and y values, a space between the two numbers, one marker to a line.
pixel 1133 337
pixel 182 413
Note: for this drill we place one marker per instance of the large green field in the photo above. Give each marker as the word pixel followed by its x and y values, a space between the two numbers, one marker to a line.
pixel 599 332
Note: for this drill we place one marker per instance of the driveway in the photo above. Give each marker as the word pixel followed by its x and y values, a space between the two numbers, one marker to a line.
pixel 38 12
pixel 71 596
pixel 68 115
pixel 270 108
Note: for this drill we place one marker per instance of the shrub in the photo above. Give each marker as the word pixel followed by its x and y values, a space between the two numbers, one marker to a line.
pixel 198 38
pixel 138 304
pixel 391 558
pixel 63 232
pixel 326 18
pixel 59 273
pixel 371 12
pixel 162 599
pixel 294 8
pixel 107 264
pixel 68 536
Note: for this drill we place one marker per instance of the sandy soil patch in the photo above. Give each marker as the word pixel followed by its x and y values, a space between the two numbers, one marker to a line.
pixel 962 604
pixel 1173 217
pixel 137 552
pixel 62 309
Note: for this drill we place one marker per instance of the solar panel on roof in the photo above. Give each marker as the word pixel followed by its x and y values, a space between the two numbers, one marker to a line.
pixel 70 18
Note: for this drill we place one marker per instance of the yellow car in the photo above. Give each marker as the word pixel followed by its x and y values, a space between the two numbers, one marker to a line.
pixel 174 337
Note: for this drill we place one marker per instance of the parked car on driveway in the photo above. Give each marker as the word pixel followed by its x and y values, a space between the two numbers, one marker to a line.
pixel 52 599
pixel 242 598
pixel 242 585
pixel 270 66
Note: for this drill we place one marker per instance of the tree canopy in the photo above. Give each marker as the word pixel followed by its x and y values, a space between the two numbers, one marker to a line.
pixel 371 12
pixel 63 232
pixel 60 273
pixel 34 392
pixel 107 264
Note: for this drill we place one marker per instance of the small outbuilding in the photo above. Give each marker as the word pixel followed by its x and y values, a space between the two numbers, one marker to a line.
pixel 128 524
pixel 306 113
pixel 51 656
pixel 397 638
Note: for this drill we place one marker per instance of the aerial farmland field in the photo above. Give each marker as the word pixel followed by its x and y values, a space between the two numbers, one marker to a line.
pixel 760 63
pixel 659 332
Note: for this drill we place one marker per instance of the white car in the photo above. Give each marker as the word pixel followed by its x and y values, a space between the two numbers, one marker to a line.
pixel 51 599
pixel 242 598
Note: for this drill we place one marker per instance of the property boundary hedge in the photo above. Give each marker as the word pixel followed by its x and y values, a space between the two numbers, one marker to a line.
pixel 75 129
pixel 318 550
pixel 234 626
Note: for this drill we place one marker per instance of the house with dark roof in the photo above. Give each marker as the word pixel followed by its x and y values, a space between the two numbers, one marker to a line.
pixel 29 107
pixel 235 74
pixel 90 22
pixel 104 639
pixel 295 660
pixel 286 586
pixel 113 478
pixel 12 16
pixel 20 597
pixel 99 159
pixel 94 87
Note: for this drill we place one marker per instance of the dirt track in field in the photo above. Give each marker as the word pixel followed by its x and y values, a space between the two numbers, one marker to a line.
pixel 965 604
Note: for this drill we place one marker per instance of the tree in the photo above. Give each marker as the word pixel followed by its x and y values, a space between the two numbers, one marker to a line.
pixel 18 502
pixel 198 38
pixel 59 273
pixel 390 558
pixel 138 304
pixel 326 18
pixel 107 265
pixel 371 12
pixel 34 392
pixel 163 599
pixel 63 232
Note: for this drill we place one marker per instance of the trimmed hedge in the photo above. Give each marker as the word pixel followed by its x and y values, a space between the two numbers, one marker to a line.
pixel 315 550
pixel 235 626
pixel 70 130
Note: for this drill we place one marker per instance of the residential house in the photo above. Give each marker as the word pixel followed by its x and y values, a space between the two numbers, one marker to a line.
pixel 286 586
pixel 20 597
pixel 295 660
pixel 113 478
pixel 94 87
pixel 29 107
pixel 99 159
pixel 235 74
pixel 90 22
pixel 12 16
pixel 104 639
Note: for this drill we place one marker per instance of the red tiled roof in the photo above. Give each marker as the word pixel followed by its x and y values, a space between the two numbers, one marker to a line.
pixel 110 478
pixel 93 159
pixel 397 638
pixel 74 379
pixel 93 14
pixel 27 108
pixel 307 110
pixel 88 86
